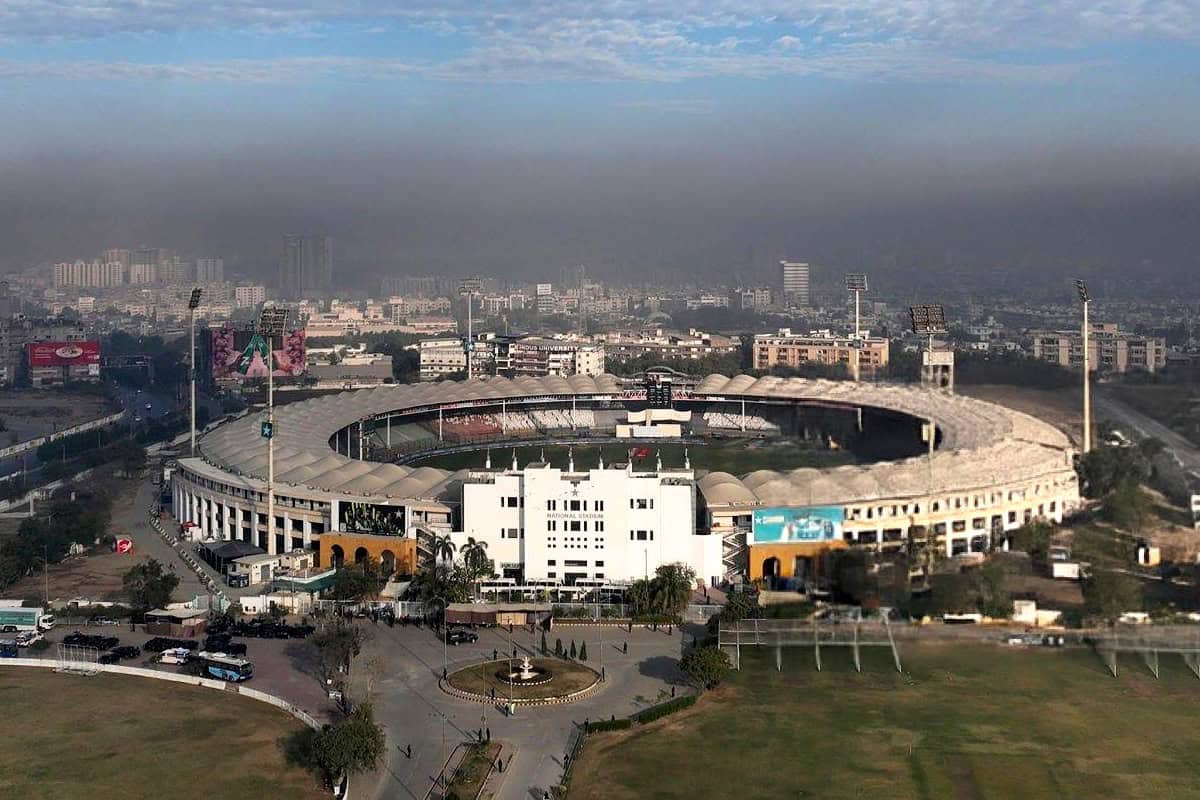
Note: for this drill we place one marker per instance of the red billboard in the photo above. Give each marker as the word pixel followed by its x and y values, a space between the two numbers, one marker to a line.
pixel 64 354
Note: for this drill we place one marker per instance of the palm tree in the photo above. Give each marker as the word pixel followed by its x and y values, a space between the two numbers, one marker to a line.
pixel 443 548
pixel 639 597
pixel 671 588
pixel 474 556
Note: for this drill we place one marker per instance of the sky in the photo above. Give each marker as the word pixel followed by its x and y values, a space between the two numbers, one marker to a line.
pixel 691 137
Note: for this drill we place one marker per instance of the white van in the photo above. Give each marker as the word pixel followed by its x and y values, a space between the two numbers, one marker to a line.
pixel 175 655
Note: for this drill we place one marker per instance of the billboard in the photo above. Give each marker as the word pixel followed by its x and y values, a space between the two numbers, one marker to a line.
pixel 65 354
pixel 238 355
pixel 802 524
pixel 370 518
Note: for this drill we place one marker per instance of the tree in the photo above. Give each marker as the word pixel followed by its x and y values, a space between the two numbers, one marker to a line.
pixel 338 642
pixel 671 588
pixel 1126 507
pixel 850 575
pixel 995 600
pixel 148 586
pixel 1106 468
pixel 705 667
pixel 474 556
pixel 574 653
pixel 358 582
pixel 1034 538
pixel 558 651
pixel 443 548
pixel 639 597
pixel 544 643
pixel 1109 594
pixel 355 744
pixel 583 651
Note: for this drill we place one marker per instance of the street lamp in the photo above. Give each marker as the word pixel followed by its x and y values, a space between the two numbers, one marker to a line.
pixel 856 282
pixel 1085 297
pixel 445 645
pixel 193 303
pixel 271 322
pixel 928 320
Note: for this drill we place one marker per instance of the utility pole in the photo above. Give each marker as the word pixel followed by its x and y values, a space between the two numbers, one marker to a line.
pixel 1085 297
pixel 193 303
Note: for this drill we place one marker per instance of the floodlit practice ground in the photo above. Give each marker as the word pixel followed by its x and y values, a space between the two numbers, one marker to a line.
pixel 974 721
pixel 736 456
pixel 64 737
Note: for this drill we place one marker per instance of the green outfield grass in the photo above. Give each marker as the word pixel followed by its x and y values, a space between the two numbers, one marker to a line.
pixel 64 737
pixel 974 721
pixel 736 456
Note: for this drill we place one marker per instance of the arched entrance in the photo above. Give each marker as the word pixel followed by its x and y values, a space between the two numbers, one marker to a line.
pixel 360 555
pixel 770 568
pixel 336 556
pixel 387 562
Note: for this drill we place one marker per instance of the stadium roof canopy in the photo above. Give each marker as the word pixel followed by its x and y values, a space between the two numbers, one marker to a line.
pixel 982 444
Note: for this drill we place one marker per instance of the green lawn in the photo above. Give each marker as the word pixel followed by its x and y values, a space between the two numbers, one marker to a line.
pixel 116 736
pixel 977 721
pixel 734 456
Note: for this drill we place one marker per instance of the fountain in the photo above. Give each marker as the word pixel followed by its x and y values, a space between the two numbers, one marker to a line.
pixel 526 674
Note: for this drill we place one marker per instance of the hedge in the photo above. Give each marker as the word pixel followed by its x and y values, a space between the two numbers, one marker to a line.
pixel 669 707
pixel 609 725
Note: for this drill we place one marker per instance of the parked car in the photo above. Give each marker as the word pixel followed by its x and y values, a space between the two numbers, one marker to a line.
pixel 105 621
pixel 26 638
pixel 125 651
pixel 457 637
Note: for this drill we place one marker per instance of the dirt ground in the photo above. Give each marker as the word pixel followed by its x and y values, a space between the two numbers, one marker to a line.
pixel 35 412
pixel 1059 407
pixel 96 577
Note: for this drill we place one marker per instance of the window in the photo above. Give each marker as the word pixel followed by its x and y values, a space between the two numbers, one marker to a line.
pixel 641 536
pixel 551 574
pixel 599 505
pixel 552 525
pixel 575 525
pixel 599 526
pixel 510 533
pixel 599 574
pixel 573 505
pixel 574 563
pixel 510 502
pixel 641 504
pixel 551 563
pixel 551 505
pixel 599 563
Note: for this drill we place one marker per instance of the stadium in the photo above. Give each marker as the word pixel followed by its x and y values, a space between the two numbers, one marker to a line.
pixel 908 468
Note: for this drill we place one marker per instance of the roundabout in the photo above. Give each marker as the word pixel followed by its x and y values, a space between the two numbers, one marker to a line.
pixel 525 680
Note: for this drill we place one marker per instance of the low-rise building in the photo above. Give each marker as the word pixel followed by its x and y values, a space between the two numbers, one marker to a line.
pixel 1110 349
pixel 785 349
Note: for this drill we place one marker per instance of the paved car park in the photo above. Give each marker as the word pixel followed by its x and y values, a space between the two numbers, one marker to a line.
pixel 287 668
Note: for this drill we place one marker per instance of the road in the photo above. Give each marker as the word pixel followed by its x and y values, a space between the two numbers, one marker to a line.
pixel 133 517
pixel 1186 454
pixel 415 711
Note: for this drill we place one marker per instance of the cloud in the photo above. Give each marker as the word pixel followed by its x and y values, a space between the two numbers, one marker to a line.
pixel 658 41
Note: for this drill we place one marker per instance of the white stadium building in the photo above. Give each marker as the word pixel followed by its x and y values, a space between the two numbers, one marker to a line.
pixel 992 470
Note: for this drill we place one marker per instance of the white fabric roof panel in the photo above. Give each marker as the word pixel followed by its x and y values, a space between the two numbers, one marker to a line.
pixel 982 444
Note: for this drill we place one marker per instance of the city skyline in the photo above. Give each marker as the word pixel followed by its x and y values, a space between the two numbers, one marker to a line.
pixel 883 136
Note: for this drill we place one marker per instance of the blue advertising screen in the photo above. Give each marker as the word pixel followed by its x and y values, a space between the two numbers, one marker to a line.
pixel 804 524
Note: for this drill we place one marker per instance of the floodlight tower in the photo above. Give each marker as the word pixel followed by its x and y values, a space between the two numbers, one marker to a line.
pixel 271 323
pixel 928 320
pixel 193 303
pixel 468 288
pixel 1085 297
pixel 856 282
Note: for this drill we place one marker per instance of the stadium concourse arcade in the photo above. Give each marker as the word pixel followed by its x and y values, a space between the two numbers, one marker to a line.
pixel 934 472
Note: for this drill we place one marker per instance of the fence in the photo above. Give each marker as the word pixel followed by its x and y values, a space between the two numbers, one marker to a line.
pixel 34 444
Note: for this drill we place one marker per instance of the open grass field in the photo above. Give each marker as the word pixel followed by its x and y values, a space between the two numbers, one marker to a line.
pixel 65 737
pixel 964 721
pixel 736 456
